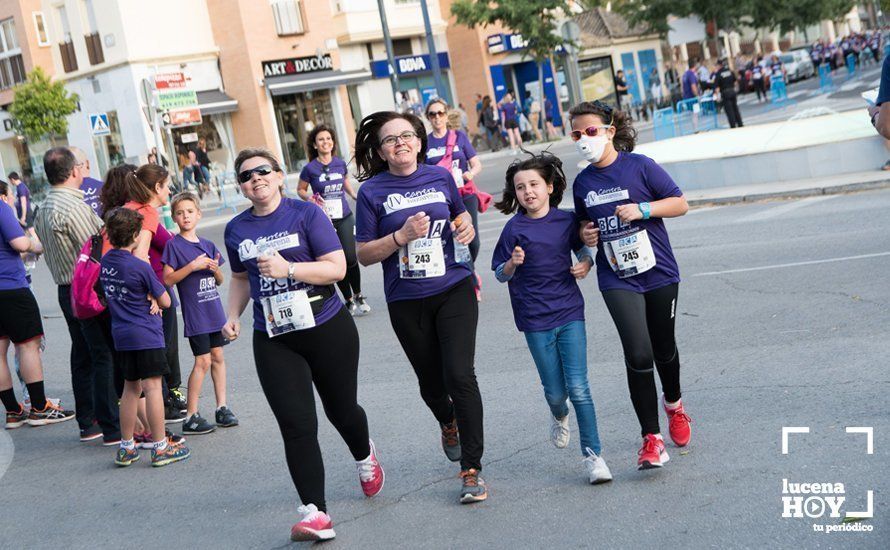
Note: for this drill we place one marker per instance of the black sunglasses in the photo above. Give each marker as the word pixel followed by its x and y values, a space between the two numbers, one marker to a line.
pixel 261 170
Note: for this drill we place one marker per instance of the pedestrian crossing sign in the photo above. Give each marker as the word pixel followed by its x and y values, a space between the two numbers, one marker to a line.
pixel 99 124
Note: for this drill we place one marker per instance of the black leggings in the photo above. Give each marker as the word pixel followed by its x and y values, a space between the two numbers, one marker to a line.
pixel 173 379
pixel 352 283
pixel 471 202
pixel 288 365
pixel 645 323
pixel 438 335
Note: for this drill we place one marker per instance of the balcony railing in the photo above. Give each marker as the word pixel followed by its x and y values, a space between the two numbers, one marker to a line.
pixel 69 58
pixel 94 48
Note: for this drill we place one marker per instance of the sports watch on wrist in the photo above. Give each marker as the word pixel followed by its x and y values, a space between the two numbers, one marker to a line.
pixel 290 270
pixel 645 210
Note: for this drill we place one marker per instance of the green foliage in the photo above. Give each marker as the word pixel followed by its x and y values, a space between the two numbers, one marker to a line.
pixel 789 15
pixel 535 20
pixel 41 106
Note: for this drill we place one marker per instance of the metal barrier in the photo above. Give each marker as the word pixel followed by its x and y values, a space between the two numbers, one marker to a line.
pixel 851 65
pixel 230 193
pixel 778 91
pixel 696 115
pixel 663 124
pixel 825 83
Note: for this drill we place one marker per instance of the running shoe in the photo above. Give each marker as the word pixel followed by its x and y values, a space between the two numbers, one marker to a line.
pixel 177 400
pixel 472 487
pixel 111 440
pixel 559 432
pixel 351 307
pixel 652 453
pixel 16 419
pixel 196 424
pixel 314 525
pixel 370 473
pixel 362 303
pixel 51 414
pixel 451 441
pixel 91 434
pixel 597 471
pixel 169 455
pixel 225 417
pixel 54 400
pixel 143 441
pixel 173 415
pixel 125 457
pixel 678 423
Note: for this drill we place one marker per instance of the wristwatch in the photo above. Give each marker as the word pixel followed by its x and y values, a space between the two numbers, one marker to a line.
pixel 290 270
pixel 645 209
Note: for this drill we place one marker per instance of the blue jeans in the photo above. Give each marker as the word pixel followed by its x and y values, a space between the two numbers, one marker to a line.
pixel 561 357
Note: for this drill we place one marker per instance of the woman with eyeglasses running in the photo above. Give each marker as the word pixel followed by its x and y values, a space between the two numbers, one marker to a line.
pixel 325 181
pixel 285 255
pixel 621 198
pixel 411 219
pixel 451 149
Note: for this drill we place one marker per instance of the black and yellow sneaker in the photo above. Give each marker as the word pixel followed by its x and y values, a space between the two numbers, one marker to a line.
pixel 177 400
pixel 472 487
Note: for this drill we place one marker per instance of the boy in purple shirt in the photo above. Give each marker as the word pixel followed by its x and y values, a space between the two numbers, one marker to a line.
pixel 135 298
pixel 192 264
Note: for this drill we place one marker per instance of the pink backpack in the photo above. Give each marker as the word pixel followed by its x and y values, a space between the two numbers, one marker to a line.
pixel 87 296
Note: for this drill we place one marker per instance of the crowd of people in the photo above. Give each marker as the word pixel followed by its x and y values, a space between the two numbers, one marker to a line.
pixel 507 123
pixel 415 214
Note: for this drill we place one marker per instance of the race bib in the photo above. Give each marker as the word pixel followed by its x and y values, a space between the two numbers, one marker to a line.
pixel 333 207
pixel 287 312
pixel 422 259
pixel 630 255
pixel 457 174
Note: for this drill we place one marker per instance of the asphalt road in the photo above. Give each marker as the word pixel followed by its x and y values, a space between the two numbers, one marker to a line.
pixel 774 327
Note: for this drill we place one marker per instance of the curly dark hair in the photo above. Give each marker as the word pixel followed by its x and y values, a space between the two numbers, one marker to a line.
pixel 548 166
pixel 122 226
pixel 625 134
pixel 310 140
pixel 367 142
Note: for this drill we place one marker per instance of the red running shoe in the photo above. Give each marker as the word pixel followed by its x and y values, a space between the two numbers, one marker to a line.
pixel 678 424
pixel 315 525
pixel 652 454
pixel 370 473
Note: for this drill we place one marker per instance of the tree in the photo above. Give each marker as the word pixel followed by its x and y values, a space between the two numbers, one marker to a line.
pixel 535 20
pixel 41 107
pixel 789 15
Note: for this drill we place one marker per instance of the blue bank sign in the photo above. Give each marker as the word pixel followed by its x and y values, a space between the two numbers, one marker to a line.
pixel 409 64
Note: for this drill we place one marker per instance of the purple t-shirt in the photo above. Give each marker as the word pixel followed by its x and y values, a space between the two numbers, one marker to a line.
pixel 631 179
pixel 21 190
pixel 91 188
pixel 386 201
pixel 327 180
pixel 127 282
pixel 12 269
pixel 544 294
pixel 463 150
pixel 300 232
pixel 509 111
pixel 201 305
pixel 689 79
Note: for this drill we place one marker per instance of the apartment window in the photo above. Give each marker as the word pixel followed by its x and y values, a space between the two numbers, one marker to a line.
pixel 40 28
pixel 288 17
pixel 66 46
pixel 407 1
pixel 93 42
pixel 402 46
pixel 12 67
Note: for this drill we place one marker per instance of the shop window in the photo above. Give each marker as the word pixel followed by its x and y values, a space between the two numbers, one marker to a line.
pixel 288 17
pixel 12 67
pixel 110 149
pixel 296 115
pixel 401 47
pixel 40 28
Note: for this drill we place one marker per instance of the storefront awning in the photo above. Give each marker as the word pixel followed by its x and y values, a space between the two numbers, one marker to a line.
pixel 214 102
pixel 292 84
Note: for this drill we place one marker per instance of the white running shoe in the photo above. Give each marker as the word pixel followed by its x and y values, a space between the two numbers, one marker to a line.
pixel 597 471
pixel 363 307
pixel 559 432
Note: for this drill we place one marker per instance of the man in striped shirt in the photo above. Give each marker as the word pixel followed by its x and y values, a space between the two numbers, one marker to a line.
pixel 64 222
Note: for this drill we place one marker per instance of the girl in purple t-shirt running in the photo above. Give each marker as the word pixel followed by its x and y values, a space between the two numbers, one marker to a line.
pixel 621 198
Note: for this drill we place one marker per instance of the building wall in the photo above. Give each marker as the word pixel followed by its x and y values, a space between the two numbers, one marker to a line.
pixel 33 55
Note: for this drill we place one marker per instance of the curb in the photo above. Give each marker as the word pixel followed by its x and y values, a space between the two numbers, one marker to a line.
pixel 797 193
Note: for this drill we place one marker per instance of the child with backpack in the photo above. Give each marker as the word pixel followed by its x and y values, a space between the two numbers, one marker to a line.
pixel 192 264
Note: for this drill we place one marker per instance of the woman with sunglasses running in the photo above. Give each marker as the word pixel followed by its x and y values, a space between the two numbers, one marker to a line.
pixel 325 181
pixel 410 218
pixel 622 198
pixel 451 149
pixel 285 255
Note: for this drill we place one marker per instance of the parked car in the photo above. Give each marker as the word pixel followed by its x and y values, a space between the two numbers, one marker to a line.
pixel 798 65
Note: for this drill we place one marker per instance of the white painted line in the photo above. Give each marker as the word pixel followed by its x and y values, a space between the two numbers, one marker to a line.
pixel 782 209
pixel 794 264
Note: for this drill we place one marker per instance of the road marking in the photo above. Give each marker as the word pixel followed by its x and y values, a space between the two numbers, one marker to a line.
pixel 793 264
pixel 783 209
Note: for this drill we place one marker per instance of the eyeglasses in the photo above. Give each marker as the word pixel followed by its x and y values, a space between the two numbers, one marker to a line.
pixel 435 114
pixel 261 170
pixel 390 141
pixel 590 131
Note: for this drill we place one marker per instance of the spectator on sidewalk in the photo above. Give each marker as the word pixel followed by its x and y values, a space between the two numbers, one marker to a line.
pixel 91 187
pixel 725 89
pixel 63 223
pixel 690 82
pixel 23 210
pixel 621 89
pixel 880 111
